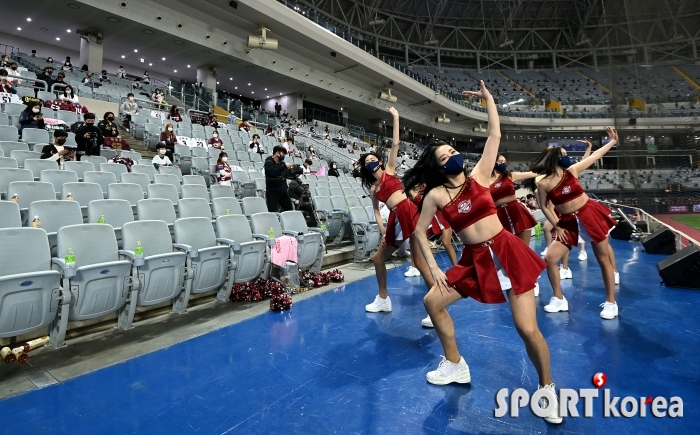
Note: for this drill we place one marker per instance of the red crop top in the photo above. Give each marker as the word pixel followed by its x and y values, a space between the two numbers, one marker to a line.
pixel 472 203
pixel 502 188
pixel 388 185
pixel 566 190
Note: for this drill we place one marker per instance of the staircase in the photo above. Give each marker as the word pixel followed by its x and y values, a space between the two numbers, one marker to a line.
pixel 136 144
pixel 687 78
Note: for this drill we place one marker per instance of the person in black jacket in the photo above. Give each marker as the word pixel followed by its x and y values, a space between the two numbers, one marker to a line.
pixel 56 151
pixel 275 181
pixel 89 137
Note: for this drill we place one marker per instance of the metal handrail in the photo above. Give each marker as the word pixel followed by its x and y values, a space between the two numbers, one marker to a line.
pixel 32 79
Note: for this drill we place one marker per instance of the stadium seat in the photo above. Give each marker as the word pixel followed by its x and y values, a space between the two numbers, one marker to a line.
pixel 195 191
pixel 10 216
pixel 171 179
pixel 365 234
pixel 163 191
pixel 332 219
pixel 8 175
pixel 38 165
pixel 171 170
pixel 99 283
pixel 218 191
pixel 156 209
pixel 226 206
pixel 133 155
pixel 54 215
pixel 310 240
pixel 58 178
pixel 8 162
pixel 116 212
pixel 95 160
pixel 253 205
pixel 22 156
pixel 82 193
pixel 8 146
pixel 193 179
pixel 79 167
pixel 194 207
pixel 195 236
pixel 36 136
pixel 248 254
pixel 116 168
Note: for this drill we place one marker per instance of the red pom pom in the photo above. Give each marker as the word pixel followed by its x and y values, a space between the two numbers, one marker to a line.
pixel 281 302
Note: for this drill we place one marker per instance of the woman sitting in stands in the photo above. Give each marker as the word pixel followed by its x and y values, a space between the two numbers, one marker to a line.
pixel 31 117
pixel 174 114
pixel 579 215
pixel 168 139
pixel 223 170
pixel 69 96
pixel 215 141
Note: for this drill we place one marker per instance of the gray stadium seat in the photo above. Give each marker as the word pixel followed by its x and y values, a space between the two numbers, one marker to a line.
pixel 149 170
pixel 116 168
pixel 104 179
pixel 365 234
pixel 194 207
pixel 156 209
pixel 137 178
pixel 34 136
pixel 58 177
pixel 247 253
pixel 221 205
pixel 310 240
pixel 201 166
pixel 168 179
pixel 54 215
pixel 38 165
pixel 195 235
pixel 28 192
pixel 8 132
pixel 21 156
pixel 163 191
pixel 171 170
pixel 260 225
pixel 8 146
pixel 30 292
pixel 253 205
pixel 9 215
pixel 79 167
pixel 242 185
pixel 161 272
pixel 8 162
pixel 219 191
pixel 332 219
pixel 195 191
pixel 8 175
pixel 260 187
pixel 133 155
pixel 352 201
pixel 82 193
pixel 117 213
pixel 100 282
pixel 193 179
pixel 95 160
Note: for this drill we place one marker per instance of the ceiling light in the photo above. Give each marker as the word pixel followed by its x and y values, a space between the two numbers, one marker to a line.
pixel 248 84
pixel 163 58
pixel 280 93
pixel 150 64
pixel 68 30
pixel 58 39
pixel 141 60
pixel 19 28
pixel 252 92
pixel 123 57
pixel 236 87
pixel 44 29
pixel 29 19
pixel 175 70
pixel 231 78
pixel 135 50
pixel 188 66
pixel 265 88
pixel 217 83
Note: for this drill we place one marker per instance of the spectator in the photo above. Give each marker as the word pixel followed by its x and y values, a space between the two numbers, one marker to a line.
pixel 108 126
pixel 121 73
pixel 31 118
pixel 56 151
pixel 306 167
pixel 269 131
pixel 5 83
pixel 356 170
pixel 211 120
pixel 160 159
pixel 333 171
pixel 4 61
pixel 128 109
pixel 89 137
pixel 87 80
pixel 276 194
pixel 255 146
pixel 13 70
pixel 215 141
pixel 223 170
pixel 68 95
pixel 168 139
pixel 146 79
pixel 60 80
pixel 46 76
pixel 33 53
pixel 49 59
pixel 244 126
pixel 174 114
pixel 104 78
pixel 158 97
pixel 232 117
pixel 67 65
pixel 311 153
pixel 295 189
pixel 85 68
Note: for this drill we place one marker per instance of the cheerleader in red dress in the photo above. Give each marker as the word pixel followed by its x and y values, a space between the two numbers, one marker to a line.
pixel 580 215
pixel 384 186
pixel 513 214
pixel 494 263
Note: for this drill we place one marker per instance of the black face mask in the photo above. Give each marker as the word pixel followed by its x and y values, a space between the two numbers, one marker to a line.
pixel 60 141
pixel 110 118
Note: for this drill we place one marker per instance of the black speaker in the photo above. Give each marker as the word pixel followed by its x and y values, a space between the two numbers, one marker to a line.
pixel 233 4
pixel 623 230
pixel 633 121
pixel 661 241
pixel 681 269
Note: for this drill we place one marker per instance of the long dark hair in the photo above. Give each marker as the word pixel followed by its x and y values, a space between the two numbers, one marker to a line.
pixel 505 174
pixel 427 170
pixel 367 178
pixel 545 164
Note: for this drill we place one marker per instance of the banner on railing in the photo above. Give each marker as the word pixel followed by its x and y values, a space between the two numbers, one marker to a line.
pixel 678 208
pixel 7 98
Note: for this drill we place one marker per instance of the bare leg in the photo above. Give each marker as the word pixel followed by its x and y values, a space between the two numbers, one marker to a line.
pixel 380 258
pixel 447 243
pixel 525 319
pixel 525 236
pixel 555 253
pixel 435 303
pixel 602 253
pixel 611 256
pixel 420 263
pixel 547 230
pixel 565 260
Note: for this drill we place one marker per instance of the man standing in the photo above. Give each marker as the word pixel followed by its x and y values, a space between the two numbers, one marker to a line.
pixel 275 182
pixel 89 137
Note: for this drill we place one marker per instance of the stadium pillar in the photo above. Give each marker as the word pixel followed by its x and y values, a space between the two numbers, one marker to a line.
pixel 376 47
pixel 695 49
pixel 554 60
pixel 438 60
pixel 646 55
pixel 595 61
pixel 478 63
pixel 90 55
pixel 515 62
pixel 205 77
pixel 406 53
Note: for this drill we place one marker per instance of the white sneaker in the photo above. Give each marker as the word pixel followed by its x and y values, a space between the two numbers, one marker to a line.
pixel 427 322
pixel 554 417
pixel 412 271
pixel 582 256
pixel 543 253
pixel 565 273
pixel 555 305
pixel 609 310
pixel 617 278
pixel 448 372
pixel 537 289
pixel 379 304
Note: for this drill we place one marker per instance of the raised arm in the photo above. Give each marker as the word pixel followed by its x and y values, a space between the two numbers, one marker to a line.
pixel 520 176
pixel 394 154
pixel 483 168
pixel 589 148
pixel 585 163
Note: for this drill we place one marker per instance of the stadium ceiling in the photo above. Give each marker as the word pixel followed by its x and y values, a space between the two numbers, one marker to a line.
pixel 667 30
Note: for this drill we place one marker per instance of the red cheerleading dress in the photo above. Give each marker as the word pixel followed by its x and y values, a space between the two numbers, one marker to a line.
pixel 501 263
pixel 592 222
pixel 438 224
pixel 403 217
pixel 514 215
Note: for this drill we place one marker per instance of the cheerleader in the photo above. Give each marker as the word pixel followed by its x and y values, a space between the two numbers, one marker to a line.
pixel 494 263
pixel 384 186
pixel 580 215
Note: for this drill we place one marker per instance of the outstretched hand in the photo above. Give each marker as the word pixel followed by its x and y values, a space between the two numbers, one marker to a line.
pixel 481 93
pixel 393 111
pixel 612 133
pixel 588 144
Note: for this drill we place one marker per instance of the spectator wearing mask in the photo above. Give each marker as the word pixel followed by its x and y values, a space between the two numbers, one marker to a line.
pixel 108 126
pixel 269 131
pixel 67 65
pixel 104 78
pixel 168 139
pixel 56 150
pixel 211 121
pixel 146 79
pixel 33 53
pixel 174 114
pixel 129 108
pixel 333 171
pixel 160 159
pixel 13 70
pixel 311 153
pixel 60 80
pixel 215 141
pixel 46 76
pixel 6 83
pixel 159 97
pixel 244 126
pixel 31 118
pixel 295 190
pixel 256 147
pixel 4 61
pixel 276 194
pixel 232 117
pixel 69 96
pixel 223 170
pixel 121 73
pixel 87 80
pixel 306 167
pixel 356 170
pixel 89 137
pixel 49 59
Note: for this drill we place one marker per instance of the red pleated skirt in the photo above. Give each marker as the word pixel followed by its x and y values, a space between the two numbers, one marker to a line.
pixel 404 216
pixel 594 217
pixel 515 217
